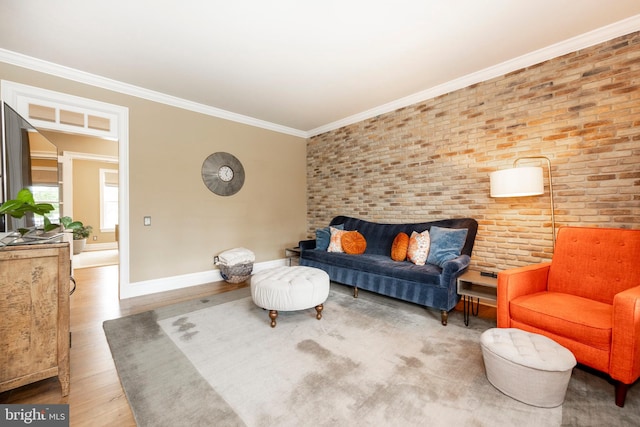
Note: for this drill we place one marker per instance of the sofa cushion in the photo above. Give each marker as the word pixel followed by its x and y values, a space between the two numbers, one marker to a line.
pixel 380 236
pixel 418 247
pixel 564 315
pixel 379 264
pixel 353 243
pixel 400 247
pixel 446 244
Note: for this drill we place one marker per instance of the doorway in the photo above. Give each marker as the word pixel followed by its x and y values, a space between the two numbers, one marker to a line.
pixel 58 112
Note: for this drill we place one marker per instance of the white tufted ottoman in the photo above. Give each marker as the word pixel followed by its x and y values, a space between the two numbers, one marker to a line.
pixel 289 289
pixel 528 367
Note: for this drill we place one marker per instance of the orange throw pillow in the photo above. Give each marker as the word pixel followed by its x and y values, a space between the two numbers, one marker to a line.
pixel 399 247
pixel 353 243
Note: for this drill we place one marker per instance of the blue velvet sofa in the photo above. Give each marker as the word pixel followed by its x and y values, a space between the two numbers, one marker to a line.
pixel 428 285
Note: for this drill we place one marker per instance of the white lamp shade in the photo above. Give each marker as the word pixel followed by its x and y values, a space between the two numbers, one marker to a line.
pixel 517 182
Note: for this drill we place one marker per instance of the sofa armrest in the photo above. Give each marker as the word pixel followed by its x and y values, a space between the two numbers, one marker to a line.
pixel 307 244
pixel 516 282
pixel 452 269
pixel 624 364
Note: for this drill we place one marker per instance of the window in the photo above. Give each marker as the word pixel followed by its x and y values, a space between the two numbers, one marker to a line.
pixel 108 199
pixel 47 194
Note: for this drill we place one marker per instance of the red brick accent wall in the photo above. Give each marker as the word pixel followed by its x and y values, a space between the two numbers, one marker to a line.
pixel 432 160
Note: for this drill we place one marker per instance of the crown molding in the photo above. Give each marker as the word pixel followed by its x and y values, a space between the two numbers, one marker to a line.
pixel 68 73
pixel 582 41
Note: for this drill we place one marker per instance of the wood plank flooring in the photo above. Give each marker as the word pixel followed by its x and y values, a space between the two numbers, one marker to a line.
pixel 97 398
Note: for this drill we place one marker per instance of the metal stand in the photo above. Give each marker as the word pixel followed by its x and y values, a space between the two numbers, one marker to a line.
pixel 469 308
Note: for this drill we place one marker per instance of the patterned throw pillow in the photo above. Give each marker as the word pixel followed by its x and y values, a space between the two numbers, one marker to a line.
pixel 323 237
pixel 399 247
pixel 336 240
pixel 419 247
pixel 353 243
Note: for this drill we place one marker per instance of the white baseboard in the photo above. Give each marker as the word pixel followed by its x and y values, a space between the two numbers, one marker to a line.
pixel 164 284
pixel 100 246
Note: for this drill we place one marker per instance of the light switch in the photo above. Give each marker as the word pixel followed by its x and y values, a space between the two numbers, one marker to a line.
pixel 147 220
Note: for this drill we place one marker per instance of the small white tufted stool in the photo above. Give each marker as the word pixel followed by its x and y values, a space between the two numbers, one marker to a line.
pixel 528 367
pixel 290 288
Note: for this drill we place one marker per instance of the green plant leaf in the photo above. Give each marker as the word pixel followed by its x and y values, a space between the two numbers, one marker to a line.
pixel 70 224
pixel 10 205
pixel 26 196
pixel 42 208
pixel 65 220
pixel 24 203
pixel 48 226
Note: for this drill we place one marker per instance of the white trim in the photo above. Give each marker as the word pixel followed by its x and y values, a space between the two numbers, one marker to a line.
pixel 187 280
pixel 24 102
pixel 608 32
pixel 600 35
pixel 9 92
pixel 99 246
pixel 88 156
pixel 103 179
pixel 51 68
pixel 20 96
pixel 48 155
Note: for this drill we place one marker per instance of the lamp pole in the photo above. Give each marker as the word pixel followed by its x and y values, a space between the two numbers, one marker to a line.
pixel 553 217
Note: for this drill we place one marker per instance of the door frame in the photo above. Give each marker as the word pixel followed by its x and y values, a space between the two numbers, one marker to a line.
pixel 15 94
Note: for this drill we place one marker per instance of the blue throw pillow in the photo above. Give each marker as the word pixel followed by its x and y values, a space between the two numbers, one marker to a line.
pixel 323 237
pixel 446 244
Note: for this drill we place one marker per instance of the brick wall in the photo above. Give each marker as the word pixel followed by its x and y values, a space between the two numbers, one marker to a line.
pixel 432 160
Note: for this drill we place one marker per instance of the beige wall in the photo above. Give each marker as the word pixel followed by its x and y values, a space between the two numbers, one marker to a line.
pixel 432 160
pixel 86 197
pixel 86 178
pixel 82 144
pixel 190 224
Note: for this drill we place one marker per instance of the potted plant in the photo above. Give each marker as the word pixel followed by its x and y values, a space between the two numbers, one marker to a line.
pixel 80 233
pixel 19 207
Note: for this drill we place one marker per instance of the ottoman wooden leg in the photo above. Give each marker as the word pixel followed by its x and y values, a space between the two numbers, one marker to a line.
pixel 272 315
pixel 319 309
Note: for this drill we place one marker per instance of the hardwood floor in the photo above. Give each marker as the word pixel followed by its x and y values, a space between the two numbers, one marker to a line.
pixel 96 397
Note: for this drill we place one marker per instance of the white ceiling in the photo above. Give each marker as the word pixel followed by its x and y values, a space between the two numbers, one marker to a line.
pixel 299 66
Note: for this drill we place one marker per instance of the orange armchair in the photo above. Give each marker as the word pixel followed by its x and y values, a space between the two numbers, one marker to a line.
pixel 586 299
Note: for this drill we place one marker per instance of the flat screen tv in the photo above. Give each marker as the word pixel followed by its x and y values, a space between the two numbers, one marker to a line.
pixel 22 157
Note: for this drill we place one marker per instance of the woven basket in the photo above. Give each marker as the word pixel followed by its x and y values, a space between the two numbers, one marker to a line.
pixel 236 273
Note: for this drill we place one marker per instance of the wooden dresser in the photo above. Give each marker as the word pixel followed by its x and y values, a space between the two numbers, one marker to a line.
pixel 34 314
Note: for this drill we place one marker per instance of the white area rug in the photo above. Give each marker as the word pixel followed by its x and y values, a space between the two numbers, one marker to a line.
pixel 369 361
pixel 362 364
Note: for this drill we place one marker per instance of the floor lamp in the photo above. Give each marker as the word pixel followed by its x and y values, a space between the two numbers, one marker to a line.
pixel 521 182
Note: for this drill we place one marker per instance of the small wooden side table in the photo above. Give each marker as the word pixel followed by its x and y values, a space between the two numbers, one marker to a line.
pixel 291 253
pixel 472 285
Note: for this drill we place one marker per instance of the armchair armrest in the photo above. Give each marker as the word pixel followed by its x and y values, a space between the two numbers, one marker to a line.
pixel 624 364
pixel 516 282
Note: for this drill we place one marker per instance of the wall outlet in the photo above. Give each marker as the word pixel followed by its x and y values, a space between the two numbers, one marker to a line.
pixel 95 238
pixel 147 221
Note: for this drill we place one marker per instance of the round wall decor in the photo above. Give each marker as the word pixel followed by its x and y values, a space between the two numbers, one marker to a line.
pixel 223 174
